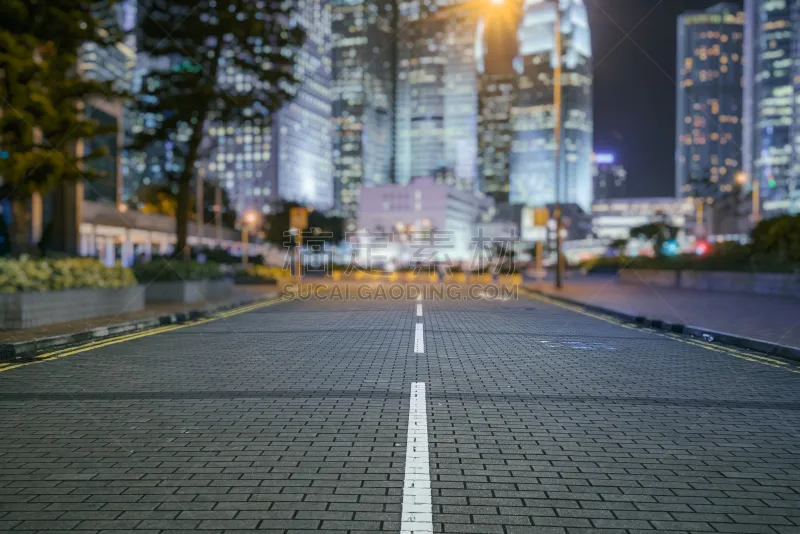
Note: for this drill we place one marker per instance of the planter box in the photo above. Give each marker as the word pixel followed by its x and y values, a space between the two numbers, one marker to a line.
pixel 787 285
pixel 26 310
pixel 188 291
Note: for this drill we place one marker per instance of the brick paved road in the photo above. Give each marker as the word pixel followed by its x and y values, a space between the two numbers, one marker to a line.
pixel 294 418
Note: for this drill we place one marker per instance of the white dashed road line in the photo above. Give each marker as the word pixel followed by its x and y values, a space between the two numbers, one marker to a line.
pixel 419 341
pixel 419 310
pixel 417 515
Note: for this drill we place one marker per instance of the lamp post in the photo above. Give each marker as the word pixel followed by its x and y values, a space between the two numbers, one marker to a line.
pixel 755 195
pixel 248 220
pixel 557 105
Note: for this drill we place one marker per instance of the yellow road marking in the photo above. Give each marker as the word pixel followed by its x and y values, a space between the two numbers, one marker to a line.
pixel 747 356
pixel 63 353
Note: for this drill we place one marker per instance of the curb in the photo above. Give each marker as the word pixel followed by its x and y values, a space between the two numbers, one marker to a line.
pixel 26 350
pixel 723 338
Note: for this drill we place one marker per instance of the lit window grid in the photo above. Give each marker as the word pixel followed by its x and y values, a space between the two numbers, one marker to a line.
pixel 532 159
pixel 709 102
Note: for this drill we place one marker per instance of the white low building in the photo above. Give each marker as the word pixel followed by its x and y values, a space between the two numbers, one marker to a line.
pixel 395 222
pixel 613 219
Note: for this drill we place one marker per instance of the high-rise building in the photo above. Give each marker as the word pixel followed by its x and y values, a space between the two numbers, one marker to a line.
pixel 709 96
pixel 363 97
pixel 533 174
pixel 290 159
pixel 436 94
pixel 772 98
pixel 610 177
pixel 497 94
pixel 113 64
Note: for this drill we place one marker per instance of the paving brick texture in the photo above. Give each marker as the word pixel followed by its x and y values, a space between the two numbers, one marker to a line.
pixel 767 317
pixel 293 418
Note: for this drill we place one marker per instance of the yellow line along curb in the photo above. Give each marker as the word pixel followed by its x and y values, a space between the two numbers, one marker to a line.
pixel 62 353
pixel 750 357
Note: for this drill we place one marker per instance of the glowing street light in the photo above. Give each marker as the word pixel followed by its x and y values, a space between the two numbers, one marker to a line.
pixel 249 219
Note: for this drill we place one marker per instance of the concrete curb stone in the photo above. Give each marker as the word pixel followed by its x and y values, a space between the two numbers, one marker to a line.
pixel 27 350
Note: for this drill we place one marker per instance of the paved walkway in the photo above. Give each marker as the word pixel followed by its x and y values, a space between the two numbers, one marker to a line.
pixel 774 319
pixel 357 416
pixel 239 294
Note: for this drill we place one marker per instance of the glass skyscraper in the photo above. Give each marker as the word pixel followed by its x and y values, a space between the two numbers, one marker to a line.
pixel 497 94
pixel 363 97
pixel 262 164
pixel 709 96
pixel 772 94
pixel 437 100
pixel 533 173
pixel 113 64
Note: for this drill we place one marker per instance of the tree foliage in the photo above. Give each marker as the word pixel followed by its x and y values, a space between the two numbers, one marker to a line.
pixel 162 200
pixel 43 97
pixel 212 61
pixel 657 232
pixel 779 236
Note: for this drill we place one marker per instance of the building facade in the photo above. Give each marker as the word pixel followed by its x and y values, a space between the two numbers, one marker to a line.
pixel 262 164
pixel 408 212
pixel 772 94
pixel 610 177
pixel 363 97
pixel 533 173
pixel 437 101
pixel 710 105
pixel 495 50
pixel 613 219
pixel 116 65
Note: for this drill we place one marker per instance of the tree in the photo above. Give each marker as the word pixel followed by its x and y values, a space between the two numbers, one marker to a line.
pixel 618 246
pixel 162 200
pixel 207 44
pixel 277 224
pixel 657 232
pixel 43 97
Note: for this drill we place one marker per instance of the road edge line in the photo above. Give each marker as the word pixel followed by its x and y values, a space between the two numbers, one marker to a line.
pixel 35 350
pixel 722 339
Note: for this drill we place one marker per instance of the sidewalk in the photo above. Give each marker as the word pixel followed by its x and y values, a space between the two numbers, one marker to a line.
pixel 767 318
pixel 240 294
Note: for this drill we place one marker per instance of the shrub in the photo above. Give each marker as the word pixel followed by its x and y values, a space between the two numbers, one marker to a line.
pixel 165 270
pixel 48 274
pixel 779 237
pixel 259 274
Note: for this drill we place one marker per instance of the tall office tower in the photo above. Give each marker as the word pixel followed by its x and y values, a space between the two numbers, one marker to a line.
pixel 610 177
pixel 290 159
pixel 109 64
pixel 709 96
pixel 495 49
pixel 533 174
pixel 772 89
pixel 363 97
pixel 436 94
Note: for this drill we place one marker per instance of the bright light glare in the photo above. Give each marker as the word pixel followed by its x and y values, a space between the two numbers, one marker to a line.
pixel 497 2
pixel 250 217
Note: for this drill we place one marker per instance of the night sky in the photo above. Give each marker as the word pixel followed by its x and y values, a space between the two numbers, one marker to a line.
pixel 634 95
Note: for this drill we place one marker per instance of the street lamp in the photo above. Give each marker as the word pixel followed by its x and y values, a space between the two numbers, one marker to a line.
pixel 755 193
pixel 249 219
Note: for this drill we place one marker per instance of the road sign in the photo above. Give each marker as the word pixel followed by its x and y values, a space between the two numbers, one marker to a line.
pixel 533 224
pixel 540 216
pixel 298 218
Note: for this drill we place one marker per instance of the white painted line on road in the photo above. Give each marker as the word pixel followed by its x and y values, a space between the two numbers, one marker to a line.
pixel 417 515
pixel 419 341
pixel 419 310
